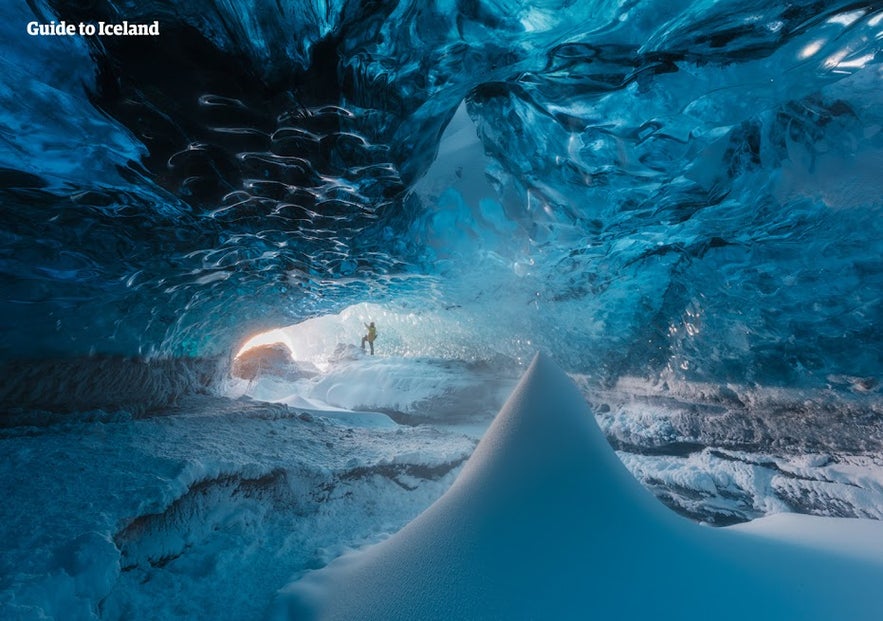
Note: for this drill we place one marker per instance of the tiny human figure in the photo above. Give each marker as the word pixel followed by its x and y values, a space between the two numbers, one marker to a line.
pixel 372 334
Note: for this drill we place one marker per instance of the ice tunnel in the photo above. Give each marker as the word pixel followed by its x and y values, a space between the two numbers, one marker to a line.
pixel 685 190
pixel 677 203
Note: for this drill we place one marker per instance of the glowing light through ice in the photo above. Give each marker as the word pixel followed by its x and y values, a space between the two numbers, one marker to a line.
pixel 278 335
pixel 847 19
pixel 446 333
pixel 811 49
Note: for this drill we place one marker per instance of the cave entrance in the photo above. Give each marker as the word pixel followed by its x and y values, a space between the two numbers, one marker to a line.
pixel 315 343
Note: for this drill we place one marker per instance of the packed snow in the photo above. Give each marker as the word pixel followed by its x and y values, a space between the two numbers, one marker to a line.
pixel 204 511
pixel 207 509
pixel 544 522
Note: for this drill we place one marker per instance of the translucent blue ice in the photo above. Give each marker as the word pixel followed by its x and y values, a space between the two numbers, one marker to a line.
pixel 681 190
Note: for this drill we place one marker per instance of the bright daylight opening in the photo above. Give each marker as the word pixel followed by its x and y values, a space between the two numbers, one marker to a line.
pixel 436 361
pixel 445 334
pixel 322 340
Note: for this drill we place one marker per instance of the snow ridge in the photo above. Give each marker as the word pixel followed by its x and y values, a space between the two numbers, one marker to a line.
pixel 544 522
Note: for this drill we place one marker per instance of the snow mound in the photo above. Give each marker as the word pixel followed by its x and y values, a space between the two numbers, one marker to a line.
pixel 544 522
pixel 411 390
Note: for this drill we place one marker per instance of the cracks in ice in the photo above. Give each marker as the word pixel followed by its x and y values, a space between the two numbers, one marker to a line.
pixel 157 539
pixel 404 475
pixel 731 454
pixel 235 502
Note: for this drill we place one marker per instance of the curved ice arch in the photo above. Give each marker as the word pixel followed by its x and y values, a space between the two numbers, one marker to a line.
pixel 441 333
pixel 544 522
pixel 428 363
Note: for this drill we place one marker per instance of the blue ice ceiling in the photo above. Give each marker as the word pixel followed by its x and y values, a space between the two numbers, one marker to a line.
pixel 672 189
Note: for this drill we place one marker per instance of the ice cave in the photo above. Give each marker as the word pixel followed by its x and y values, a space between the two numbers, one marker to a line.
pixel 623 259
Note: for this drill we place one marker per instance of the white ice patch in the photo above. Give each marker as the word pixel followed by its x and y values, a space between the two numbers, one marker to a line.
pixel 420 388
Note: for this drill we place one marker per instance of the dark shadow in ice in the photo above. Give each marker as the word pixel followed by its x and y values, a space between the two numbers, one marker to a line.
pixel 234 502
pixel 158 538
pixel 112 383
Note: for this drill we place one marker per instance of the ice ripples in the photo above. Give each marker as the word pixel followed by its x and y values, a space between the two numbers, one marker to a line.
pixel 635 155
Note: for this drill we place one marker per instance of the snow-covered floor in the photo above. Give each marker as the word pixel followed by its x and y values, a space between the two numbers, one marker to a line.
pixel 727 454
pixel 544 522
pixel 206 510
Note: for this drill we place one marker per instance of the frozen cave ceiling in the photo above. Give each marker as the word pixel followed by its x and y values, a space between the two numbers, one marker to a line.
pixel 685 189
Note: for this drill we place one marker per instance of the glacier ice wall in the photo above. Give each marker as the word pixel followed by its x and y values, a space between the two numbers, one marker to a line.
pixel 681 190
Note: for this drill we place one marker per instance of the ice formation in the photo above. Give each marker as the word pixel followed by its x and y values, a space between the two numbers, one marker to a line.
pixel 544 522
pixel 682 191
pixel 678 201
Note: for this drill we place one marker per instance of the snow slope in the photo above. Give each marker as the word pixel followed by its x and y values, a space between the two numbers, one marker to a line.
pixel 202 511
pixel 544 522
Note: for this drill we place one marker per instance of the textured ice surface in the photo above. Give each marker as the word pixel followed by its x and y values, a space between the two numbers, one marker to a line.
pixel 202 512
pixel 679 190
pixel 679 200
pixel 725 454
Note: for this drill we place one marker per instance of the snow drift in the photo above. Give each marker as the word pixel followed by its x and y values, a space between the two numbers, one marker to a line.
pixel 544 522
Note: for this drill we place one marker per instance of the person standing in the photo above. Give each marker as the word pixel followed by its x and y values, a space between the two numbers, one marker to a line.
pixel 369 338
